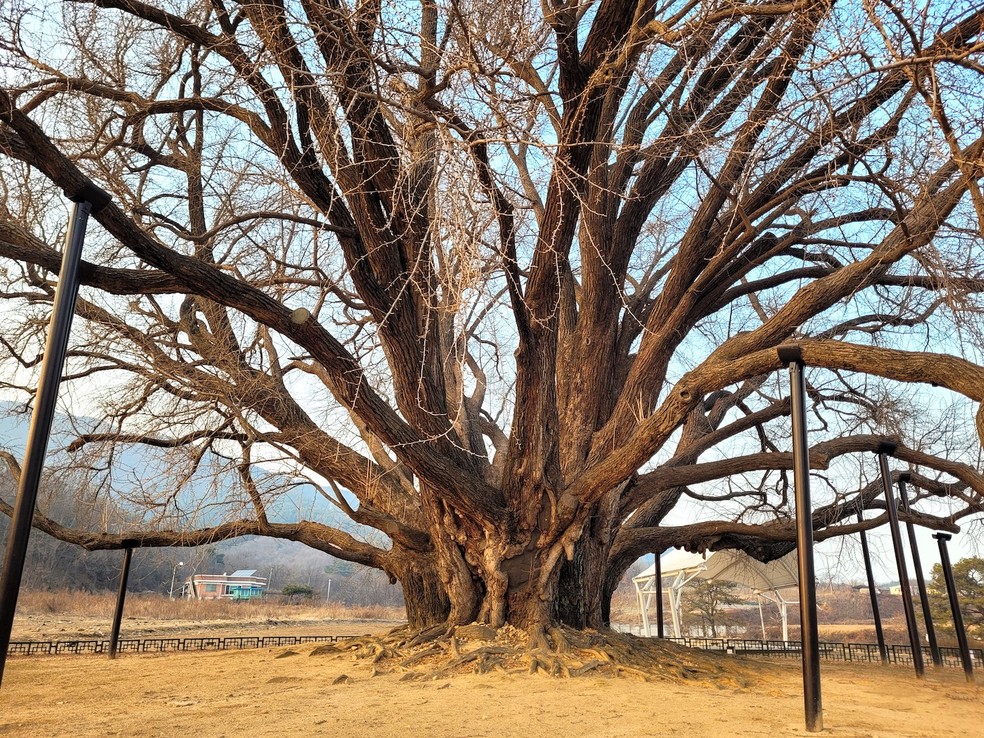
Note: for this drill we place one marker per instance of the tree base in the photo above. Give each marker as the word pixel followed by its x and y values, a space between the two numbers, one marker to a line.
pixel 442 652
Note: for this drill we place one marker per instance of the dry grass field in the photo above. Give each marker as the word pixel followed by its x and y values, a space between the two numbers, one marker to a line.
pixel 45 616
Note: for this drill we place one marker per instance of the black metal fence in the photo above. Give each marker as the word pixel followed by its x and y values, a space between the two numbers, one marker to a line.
pixel 160 645
pixel 865 652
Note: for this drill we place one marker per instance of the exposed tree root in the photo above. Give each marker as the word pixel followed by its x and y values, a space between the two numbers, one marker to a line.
pixel 557 651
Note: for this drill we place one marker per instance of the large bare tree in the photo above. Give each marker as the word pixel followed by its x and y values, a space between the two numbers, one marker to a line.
pixel 505 280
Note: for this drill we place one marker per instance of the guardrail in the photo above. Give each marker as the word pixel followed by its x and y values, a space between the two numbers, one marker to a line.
pixel 161 645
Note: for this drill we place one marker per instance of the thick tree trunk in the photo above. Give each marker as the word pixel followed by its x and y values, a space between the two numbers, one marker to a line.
pixel 519 591
pixel 424 595
pixel 581 597
pixel 531 590
pixel 516 574
pixel 615 568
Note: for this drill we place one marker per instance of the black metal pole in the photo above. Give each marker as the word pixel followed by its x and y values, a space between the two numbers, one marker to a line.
pixel 809 633
pixel 885 449
pixel 88 200
pixel 951 590
pixel 873 592
pixel 659 596
pixel 934 647
pixel 114 635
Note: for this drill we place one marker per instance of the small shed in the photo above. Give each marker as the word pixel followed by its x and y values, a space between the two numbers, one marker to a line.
pixel 680 567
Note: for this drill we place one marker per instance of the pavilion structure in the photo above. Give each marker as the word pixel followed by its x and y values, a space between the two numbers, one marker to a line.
pixel 681 567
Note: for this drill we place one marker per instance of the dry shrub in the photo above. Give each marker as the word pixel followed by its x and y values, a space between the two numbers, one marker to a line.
pixel 159 607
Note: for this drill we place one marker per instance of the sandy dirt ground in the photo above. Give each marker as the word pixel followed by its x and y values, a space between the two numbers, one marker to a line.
pixel 290 692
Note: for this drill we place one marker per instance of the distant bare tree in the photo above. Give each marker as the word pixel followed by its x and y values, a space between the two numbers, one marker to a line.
pixel 709 599
pixel 505 279
pixel 52 564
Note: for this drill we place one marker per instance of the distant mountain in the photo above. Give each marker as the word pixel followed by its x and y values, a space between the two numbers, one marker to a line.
pixel 52 564
pixel 139 470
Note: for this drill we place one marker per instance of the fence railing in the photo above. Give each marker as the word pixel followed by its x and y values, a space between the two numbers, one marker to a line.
pixel 160 645
pixel 865 652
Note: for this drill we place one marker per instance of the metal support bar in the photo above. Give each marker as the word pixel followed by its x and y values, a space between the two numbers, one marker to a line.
pixel 951 590
pixel 659 595
pixel 644 611
pixel 809 633
pixel 873 592
pixel 114 635
pixel 89 199
pixel 934 647
pixel 884 450
pixel 675 605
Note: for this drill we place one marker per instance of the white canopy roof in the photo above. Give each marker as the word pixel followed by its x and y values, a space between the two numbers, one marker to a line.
pixel 729 566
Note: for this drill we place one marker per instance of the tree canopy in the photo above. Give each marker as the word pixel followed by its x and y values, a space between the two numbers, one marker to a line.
pixel 503 280
pixel 968 576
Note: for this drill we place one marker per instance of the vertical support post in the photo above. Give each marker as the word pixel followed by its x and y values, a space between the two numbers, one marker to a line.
pixel 934 647
pixel 885 449
pixel 873 592
pixel 951 590
pixel 114 636
pixel 809 633
pixel 89 199
pixel 674 593
pixel 659 595
pixel 644 611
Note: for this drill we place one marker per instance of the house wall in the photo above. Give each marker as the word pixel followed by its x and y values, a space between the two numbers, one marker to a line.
pixel 217 586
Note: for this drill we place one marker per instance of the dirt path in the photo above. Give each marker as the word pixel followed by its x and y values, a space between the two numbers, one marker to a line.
pixel 287 692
